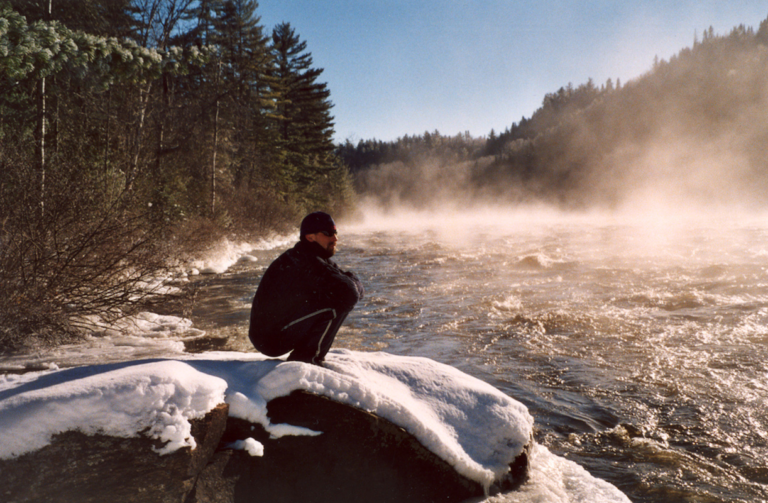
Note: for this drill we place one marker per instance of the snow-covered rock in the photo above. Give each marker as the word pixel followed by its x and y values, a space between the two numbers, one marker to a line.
pixel 367 425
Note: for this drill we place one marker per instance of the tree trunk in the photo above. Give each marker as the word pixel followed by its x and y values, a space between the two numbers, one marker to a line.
pixel 213 160
pixel 215 142
pixel 41 120
pixel 40 154
pixel 134 167
pixel 106 142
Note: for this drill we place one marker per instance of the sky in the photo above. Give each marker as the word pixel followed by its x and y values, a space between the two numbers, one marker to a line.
pixel 403 67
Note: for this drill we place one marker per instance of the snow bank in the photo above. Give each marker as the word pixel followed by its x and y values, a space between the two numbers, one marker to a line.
pixel 221 258
pixel 147 325
pixel 227 253
pixel 467 422
pixel 118 400
pixel 145 335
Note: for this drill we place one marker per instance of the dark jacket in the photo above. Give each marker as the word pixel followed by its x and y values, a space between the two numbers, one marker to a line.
pixel 300 282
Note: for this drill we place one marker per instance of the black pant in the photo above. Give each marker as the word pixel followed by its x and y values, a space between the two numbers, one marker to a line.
pixel 309 337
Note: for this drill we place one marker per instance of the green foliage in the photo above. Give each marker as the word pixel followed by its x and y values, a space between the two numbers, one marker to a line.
pixel 302 114
pixel 42 49
pixel 155 115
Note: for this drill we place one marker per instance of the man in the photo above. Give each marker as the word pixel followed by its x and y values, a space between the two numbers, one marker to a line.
pixel 304 297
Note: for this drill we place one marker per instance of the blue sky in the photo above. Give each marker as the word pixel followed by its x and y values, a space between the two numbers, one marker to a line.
pixel 397 67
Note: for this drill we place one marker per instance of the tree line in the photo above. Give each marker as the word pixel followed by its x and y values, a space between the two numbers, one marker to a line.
pixel 132 130
pixel 691 130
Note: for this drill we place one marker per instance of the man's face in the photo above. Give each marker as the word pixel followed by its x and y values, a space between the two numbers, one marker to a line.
pixel 325 239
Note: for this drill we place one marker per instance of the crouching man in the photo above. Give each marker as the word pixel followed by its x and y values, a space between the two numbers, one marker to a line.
pixel 304 297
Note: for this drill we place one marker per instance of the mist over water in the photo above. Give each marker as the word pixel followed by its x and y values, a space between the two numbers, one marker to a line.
pixel 637 340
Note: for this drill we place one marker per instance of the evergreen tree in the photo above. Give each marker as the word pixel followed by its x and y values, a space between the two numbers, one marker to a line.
pixel 244 49
pixel 96 17
pixel 302 117
pixel 90 252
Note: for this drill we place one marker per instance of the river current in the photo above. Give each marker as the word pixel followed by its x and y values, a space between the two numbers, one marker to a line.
pixel 639 346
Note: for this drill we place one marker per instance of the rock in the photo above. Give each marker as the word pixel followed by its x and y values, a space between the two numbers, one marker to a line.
pixel 96 468
pixel 358 457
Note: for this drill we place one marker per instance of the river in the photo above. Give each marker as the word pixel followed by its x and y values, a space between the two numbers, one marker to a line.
pixel 640 346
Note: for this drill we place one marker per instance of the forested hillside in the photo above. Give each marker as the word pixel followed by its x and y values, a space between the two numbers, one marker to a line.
pixel 691 131
pixel 132 130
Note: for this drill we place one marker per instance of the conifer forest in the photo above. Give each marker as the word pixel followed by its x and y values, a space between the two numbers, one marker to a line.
pixel 134 130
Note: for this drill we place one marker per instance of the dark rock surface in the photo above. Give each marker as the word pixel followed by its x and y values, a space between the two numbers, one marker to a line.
pixel 358 457
pixel 97 468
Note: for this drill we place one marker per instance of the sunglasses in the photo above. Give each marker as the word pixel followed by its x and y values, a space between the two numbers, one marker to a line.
pixel 328 233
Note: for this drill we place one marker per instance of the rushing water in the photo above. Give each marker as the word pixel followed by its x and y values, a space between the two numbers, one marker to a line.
pixel 641 350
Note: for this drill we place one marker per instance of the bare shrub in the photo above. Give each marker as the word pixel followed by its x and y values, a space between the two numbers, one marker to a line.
pixel 74 258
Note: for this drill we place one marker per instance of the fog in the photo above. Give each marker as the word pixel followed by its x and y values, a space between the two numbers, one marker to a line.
pixel 686 140
pixel 639 239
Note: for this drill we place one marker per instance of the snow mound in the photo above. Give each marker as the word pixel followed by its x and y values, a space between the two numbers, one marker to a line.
pixel 471 425
pixel 118 400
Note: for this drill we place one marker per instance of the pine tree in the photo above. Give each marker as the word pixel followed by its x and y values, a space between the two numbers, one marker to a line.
pixel 105 18
pixel 303 119
pixel 244 49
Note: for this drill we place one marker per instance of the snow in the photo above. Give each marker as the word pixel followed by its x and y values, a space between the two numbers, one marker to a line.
pixel 467 422
pixel 251 446
pixel 145 335
pixel 553 479
pixel 118 400
pixel 228 253
pixel 470 424
pixel 147 325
